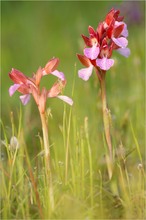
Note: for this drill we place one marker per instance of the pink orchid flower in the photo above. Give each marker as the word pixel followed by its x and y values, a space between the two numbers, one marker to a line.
pixel 85 73
pixel 27 86
pixel 111 34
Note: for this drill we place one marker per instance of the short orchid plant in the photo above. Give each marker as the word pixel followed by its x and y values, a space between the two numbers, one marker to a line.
pixel 28 86
pixel 110 35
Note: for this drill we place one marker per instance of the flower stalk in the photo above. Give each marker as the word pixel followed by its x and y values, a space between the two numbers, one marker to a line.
pixel 45 135
pixel 106 122
pixel 106 119
pixel 47 159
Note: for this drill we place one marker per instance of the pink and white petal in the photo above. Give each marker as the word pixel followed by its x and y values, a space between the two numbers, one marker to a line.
pixel 124 33
pixel 121 41
pixel 92 53
pixel 85 73
pixel 104 63
pixel 13 89
pixel 60 75
pixel 25 99
pixel 65 99
pixel 124 51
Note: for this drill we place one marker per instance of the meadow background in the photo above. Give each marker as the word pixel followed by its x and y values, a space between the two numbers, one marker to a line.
pixel 32 33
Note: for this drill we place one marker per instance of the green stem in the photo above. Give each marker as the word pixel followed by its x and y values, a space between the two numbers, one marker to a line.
pixel 106 118
pixel 47 159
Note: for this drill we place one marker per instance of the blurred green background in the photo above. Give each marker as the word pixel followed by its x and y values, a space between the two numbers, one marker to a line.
pixel 32 33
pixel 35 31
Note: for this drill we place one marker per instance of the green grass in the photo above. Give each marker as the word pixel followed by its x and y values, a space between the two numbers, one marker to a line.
pixel 82 189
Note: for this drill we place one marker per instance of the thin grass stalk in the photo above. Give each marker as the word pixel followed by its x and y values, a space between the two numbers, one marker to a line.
pixel 128 181
pixel 136 143
pixel 11 172
pixel 12 123
pixel 67 148
pixel 123 184
pixel 34 184
pixel 73 177
pixel 5 208
pixel 64 127
pixel 20 122
pixel 141 190
pixel 6 142
pixel 47 160
pixel 68 135
pixel 90 161
pixel 82 168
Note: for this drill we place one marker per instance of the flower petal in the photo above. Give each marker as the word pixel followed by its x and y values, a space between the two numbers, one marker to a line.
pixel 124 51
pixel 13 89
pixel 37 76
pixel 84 60
pixel 104 63
pixel 91 31
pixel 87 40
pixel 121 42
pixel 56 89
pixel 85 73
pixel 17 77
pixel 25 99
pixel 92 53
pixel 124 33
pixel 60 75
pixel 66 99
pixel 51 66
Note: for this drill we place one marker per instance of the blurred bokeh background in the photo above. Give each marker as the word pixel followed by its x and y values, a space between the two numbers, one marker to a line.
pixel 35 31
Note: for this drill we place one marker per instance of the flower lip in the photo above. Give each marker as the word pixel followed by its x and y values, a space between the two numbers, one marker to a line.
pixel 65 99
pixel 85 73
pixel 105 63
pixel 121 42
pixel 25 98
pixel 60 75
pixel 124 51
pixel 13 89
pixel 91 53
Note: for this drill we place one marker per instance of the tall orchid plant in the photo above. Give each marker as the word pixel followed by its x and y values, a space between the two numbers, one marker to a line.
pixel 111 34
pixel 31 86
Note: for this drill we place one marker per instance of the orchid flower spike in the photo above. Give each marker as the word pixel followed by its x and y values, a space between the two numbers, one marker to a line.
pixel 111 34
pixel 28 86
